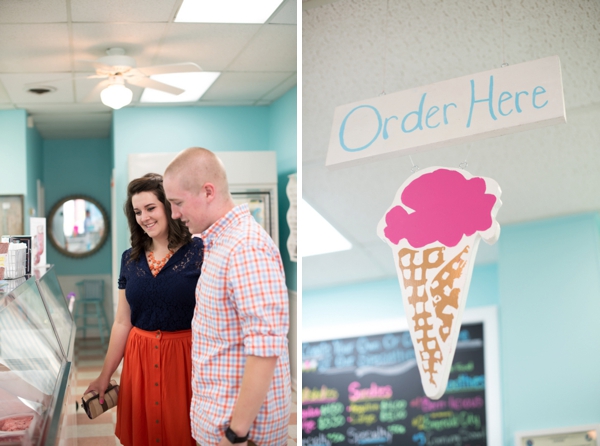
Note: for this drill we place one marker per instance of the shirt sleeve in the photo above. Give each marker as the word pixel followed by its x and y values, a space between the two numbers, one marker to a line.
pixel 260 296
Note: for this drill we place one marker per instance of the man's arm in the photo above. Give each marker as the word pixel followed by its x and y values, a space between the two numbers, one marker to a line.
pixel 258 375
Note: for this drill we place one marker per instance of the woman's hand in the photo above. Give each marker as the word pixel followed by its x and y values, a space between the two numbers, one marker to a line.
pixel 99 385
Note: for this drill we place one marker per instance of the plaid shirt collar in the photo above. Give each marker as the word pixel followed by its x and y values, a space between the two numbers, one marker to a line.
pixel 211 235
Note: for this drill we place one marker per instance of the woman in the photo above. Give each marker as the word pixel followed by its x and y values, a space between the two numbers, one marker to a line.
pixel 152 328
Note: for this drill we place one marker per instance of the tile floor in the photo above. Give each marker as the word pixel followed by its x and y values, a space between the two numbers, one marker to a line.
pixel 80 430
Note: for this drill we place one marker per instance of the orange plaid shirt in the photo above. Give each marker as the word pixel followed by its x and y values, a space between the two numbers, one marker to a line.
pixel 241 309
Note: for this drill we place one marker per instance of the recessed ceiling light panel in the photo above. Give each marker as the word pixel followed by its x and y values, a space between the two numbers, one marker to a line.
pixel 226 11
pixel 319 236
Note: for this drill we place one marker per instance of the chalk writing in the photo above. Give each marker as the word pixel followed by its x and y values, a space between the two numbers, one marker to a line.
pixel 335 437
pixel 319 440
pixel 309 425
pixel 465 403
pixel 396 429
pixel 332 409
pixel 455 421
pixel 321 395
pixel 460 367
pixel 466 382
pixel 373 392
pixel 364 418
pixel 393 411
pixel 427 405
pixel 311 412
pixel 330 422
pixel 372 436
pixel 362 408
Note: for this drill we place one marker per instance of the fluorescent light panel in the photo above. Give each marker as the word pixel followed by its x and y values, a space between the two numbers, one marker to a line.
pixel 226 11
pixel 195 85
pixel 318 235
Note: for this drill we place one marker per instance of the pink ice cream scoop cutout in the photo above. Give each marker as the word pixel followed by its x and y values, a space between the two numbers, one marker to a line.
pixel 434 227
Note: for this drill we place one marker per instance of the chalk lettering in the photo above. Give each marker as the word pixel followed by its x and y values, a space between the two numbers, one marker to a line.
pixel 466 382
pixel 374 436
pixel 319 440
pixel 463 419
pixel 335 437
pixel 366 345
pixel 390 341
pixel 461 367
pixel 321 395
pixel 343 348
pixel 396 429
pixel 364 418
pixel 373 392
pixel 363 408
pixel 311 412
pixel 332 422
pixel 465 403
pixel 332 409
pixel 427 405
pixel 341 361
pixel 309 425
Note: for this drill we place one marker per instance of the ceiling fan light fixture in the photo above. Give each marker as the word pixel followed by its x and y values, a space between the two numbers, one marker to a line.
pixel 116 95
pixel 193 84
pixel 226 11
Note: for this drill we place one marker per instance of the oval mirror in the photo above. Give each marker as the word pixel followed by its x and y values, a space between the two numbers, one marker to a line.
pixel 78 226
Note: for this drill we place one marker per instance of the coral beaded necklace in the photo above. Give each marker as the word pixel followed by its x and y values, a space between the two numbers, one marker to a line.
pixel 157 265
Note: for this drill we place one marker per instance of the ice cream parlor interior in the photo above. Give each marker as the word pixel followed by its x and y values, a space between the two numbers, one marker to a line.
pixel 535 293
pixel 65 152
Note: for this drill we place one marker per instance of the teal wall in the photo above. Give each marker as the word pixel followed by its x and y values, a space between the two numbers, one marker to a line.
pixel 172 129
pixel 13 153
pixel 549 277
pixel 35 172
pixel 283 140
pixel 546 285
pixel 78 166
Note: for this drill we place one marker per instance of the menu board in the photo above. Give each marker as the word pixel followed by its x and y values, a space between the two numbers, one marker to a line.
pixel 367 391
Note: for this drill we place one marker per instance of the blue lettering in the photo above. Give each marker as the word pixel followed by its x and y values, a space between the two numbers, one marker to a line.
pixel 488 100
pixel 446 108
pixel 419 113
pixel 504 96
pixel 343 127
pixel 385 132
pixel 536 91
pixel 435 109
pixel 519 93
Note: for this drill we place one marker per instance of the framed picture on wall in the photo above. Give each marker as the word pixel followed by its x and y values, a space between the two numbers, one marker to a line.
pixel 11 215
pixel 259 204
pixel 567 436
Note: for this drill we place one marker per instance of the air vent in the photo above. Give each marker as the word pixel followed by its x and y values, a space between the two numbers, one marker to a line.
pixel 41 90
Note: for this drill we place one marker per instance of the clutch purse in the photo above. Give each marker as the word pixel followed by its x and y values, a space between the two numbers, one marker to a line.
pixel 91 400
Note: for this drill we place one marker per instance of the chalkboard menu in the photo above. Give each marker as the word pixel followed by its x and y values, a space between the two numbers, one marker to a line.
pixel 367 391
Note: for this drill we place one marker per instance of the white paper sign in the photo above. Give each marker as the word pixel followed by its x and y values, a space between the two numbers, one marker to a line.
pixel 493 103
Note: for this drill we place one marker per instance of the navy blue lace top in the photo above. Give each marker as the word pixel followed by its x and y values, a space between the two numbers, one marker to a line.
pixel 165 302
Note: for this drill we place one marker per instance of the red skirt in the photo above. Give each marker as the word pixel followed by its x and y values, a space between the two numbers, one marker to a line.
pixel 156 389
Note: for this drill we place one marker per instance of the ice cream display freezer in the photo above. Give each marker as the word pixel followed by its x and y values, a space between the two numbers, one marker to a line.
pixel 37 334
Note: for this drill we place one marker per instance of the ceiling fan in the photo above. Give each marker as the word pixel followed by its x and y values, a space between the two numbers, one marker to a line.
pixel 119 69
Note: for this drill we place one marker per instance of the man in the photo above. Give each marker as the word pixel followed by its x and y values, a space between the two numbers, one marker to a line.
pixel 241 384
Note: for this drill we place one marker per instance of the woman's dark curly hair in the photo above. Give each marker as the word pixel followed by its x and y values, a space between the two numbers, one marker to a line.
pixel 179 234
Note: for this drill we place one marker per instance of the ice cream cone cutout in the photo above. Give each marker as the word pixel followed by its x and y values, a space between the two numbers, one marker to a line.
pixel 434 227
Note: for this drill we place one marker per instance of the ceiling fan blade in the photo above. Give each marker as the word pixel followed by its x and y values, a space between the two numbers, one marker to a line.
pixel 187 67
pixel 146 82
pixel 94 94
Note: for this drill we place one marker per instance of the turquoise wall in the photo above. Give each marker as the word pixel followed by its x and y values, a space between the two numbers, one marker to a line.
pixel 549 277
pixel 35 170
pixel 13 153
pixel 546 285
pixel 78 166
pixel 283 140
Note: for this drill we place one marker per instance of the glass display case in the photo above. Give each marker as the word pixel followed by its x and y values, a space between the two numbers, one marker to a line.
pixel 36 338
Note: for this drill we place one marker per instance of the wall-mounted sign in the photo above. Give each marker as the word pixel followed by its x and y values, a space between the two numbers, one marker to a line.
pixel 434 227
pixel 493 103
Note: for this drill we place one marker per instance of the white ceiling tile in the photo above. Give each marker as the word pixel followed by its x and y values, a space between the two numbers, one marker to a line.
pixel 33 11
pixel 287 13
pixel 34 48
pixel 228 103
pixel 272 49
pixel 212 46
pixel 4 98
pixel 234 86
pixel 18 84
pixel 139 40
pixel 281 89
pixel 120 11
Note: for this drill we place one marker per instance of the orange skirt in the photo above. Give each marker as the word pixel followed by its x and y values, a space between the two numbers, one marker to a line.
pixel 156 389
